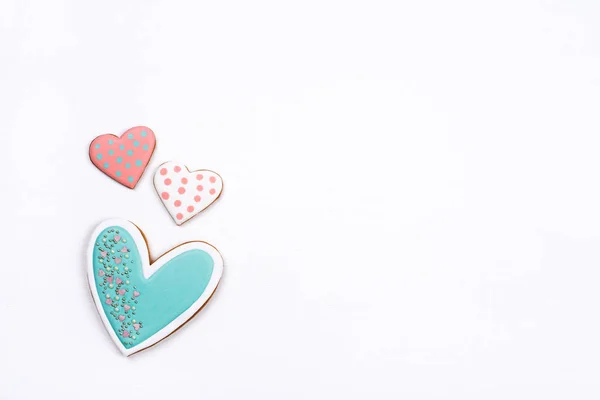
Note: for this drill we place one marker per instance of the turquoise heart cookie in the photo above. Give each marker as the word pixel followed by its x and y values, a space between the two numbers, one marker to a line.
pixel 140 302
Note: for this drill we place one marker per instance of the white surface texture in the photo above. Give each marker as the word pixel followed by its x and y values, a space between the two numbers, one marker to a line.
pixel 411 206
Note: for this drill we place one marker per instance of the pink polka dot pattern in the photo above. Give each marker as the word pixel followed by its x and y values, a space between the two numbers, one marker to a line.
pixel 124 158
pixel 182 198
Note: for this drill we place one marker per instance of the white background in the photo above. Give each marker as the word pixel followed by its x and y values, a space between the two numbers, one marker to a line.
pixel 411 205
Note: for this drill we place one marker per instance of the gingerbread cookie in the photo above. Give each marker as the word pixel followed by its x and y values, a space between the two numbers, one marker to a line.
pixel 124 158
pixel 142 302
pixel 185 194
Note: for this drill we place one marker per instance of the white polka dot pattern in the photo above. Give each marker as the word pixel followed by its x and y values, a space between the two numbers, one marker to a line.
pixel 185 194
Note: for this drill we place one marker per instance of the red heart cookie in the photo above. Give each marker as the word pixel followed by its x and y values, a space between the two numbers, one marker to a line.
pixel 124 158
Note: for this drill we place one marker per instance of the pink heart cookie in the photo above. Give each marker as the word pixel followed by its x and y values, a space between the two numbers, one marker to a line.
pixel 124 158
pixel 185 194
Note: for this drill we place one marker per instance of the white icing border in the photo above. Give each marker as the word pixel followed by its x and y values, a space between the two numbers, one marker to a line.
pixel 148 270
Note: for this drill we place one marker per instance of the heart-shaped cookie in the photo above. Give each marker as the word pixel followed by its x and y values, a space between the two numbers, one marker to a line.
pixel 185 194
pixel 124 158
pixel 143 302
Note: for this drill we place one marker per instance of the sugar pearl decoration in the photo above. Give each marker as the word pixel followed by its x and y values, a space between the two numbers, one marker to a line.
pixel 123 305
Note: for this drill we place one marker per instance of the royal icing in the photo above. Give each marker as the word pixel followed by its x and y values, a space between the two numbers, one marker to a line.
pixel 140 302
pixel 124 158
pixel 185 194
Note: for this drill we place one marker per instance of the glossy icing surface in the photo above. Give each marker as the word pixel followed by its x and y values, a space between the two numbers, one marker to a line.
pixel 124 158
pixel 185 194
pixel 142 303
